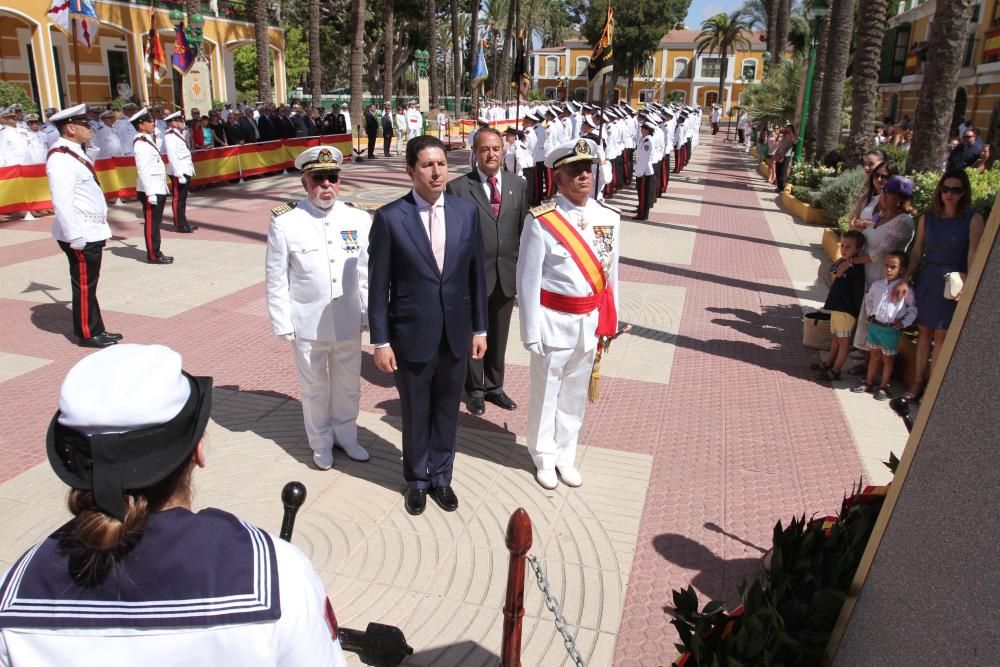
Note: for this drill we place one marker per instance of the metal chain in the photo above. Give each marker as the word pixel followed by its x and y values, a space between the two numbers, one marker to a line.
pixel 553 605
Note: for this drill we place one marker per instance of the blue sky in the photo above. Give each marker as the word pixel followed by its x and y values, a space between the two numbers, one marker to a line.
pixel 702 9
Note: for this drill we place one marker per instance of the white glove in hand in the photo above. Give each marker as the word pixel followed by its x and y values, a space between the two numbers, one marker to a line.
pixel 288 337
pixel 182 180
pixel 536 348
pixel 77 244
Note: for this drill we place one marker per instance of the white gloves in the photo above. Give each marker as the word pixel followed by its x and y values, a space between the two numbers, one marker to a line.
pixel 535 348
pixel 182 179
pixel 288 337
pixel 77 243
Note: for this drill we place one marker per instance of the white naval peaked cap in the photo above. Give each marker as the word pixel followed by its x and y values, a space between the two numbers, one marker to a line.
pixel 589 120
pixel 79 111
pixel 107 112
pixel 319 158
pixel 176 114
pixel 139 114
pixel 568 152
pixel 122 388
pixel 7 111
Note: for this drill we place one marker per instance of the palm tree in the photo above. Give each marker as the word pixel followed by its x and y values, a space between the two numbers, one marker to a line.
pixel 864 78
pixel 835 71
pixel 722 34
pixel 357 58
pixel 432 48
pixel 315 66
pixel 263 50
pixel 473 39
pixel 932 119
pixel 783 10
pixel 501 88
pixel 772 30
pixel 389 46
pixel 756 12
pixel 819 73
pixel 456 54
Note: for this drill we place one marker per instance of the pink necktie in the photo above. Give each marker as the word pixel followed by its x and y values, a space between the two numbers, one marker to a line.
pixel 436 226
pixel 494 195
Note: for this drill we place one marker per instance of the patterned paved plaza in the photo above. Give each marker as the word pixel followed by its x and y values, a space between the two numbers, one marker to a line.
pixel 709 429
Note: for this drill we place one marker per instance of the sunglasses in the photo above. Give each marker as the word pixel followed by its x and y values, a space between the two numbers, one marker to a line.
pixel 317 179
pixel 969 136
pixel 947 190
pixel 880 176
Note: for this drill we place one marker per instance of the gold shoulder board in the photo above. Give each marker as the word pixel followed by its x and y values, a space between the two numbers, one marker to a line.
pixel 284 208
pixel 543 208
pixel 362 207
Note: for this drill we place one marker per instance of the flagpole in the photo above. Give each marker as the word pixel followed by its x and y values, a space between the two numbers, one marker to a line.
pixel 518 56
pixel 76 60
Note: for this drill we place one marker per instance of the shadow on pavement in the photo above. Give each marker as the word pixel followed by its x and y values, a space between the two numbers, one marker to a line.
pixel 464 654
pixel 128 251
pixel 54 318
pixel 717 578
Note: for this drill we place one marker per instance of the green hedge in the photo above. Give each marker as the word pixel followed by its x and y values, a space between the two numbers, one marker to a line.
pixel 838 195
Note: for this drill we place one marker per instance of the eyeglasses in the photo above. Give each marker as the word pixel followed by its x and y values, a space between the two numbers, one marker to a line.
pixel 318 179
pixel 968 136
pixel 880 176
pixel 947 190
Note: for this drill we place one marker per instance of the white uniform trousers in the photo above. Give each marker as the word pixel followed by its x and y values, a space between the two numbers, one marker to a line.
pixel 330 382
pixel 560 379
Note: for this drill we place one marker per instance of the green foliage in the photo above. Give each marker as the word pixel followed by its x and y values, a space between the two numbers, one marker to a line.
pixel 805 195
pixel 810 175
pixel 296 56
pixel 838 194
pixel 11 93
pixel 787 614
pixel 924 183
pixel 843 224
pixel 773 101
pixel 897 155
pixel 984 189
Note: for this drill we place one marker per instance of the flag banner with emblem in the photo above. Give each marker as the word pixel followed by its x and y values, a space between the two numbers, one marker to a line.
pixel 479 73
pixel 82 13
pixel 600 59
pixel 156 61
pixel 521 79
pixel 183 57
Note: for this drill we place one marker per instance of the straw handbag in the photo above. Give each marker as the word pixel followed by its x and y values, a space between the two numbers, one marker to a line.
pixel 816 331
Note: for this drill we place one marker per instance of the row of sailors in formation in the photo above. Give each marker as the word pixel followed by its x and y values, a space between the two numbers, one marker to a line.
pixel 616 129
pixel 25 139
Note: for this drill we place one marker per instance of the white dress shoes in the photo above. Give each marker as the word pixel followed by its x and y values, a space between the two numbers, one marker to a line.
pixel 547 478
pixel 355 451
pixel 570 476
pixel 323 459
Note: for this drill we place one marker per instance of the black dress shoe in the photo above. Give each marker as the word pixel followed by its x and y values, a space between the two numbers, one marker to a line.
pixel 445 497
pixel 100 340
pixel 113 336
pixel 162 259
pixel 476 405
pixel 501 399
pixel 185 230
pixel 416 501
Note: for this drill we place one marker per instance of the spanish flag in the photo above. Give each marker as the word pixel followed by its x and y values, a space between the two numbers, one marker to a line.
pixel 600 59
pixel 156 61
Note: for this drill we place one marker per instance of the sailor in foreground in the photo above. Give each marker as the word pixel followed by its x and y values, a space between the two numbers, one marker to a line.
pixel 317 296
pixel 567 286
pixel 181 170
pixel 151 183
pixel 136 577
pixel 81 224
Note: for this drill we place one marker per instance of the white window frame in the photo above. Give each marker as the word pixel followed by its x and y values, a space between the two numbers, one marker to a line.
pixel 551 92
pixel 551 66
pixel 646 95
pixel 748 61
pixel 683 69
pixel 582 63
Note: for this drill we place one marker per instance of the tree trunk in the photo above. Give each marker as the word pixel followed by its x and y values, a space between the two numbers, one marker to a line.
pixel 818 75
pixel 315 64
pixel 473 40
pixel 456 57
pixel 265 93
pixel 502 88
pixel 390 51
pixel 772 31
pixel 723 67
pixel 837 55
pixel 357 59
pixel 782 9
pixel 864 79
pixel 432 49
pixel 935 104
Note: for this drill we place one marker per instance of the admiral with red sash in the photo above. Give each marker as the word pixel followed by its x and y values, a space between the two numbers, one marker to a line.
pixel 567 285
pixel 80 226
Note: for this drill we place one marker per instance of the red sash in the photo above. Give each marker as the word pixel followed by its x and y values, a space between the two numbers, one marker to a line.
pixel 143 137
pixel 78 158
pixel 603 298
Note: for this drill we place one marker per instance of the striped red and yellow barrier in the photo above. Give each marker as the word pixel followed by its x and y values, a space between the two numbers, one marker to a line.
pixel 26 188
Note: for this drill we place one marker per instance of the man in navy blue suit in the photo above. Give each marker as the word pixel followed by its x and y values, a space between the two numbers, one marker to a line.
pixel 427 314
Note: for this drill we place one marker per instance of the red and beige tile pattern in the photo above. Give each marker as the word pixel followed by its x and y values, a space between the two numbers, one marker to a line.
pixel 707 432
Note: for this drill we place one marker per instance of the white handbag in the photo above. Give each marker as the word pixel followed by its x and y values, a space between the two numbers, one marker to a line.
pixel 952 285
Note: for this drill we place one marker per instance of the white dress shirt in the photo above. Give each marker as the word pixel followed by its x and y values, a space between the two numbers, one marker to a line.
pixel 80 208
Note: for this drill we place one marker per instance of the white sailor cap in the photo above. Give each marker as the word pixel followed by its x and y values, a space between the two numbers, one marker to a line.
pixel 649 126
pixel 139 115
pixel 31 118
pixel 588 120
pixel 7 111
pixel 177 115
pixel 108 112
pixel 569 152
pixel 319 158
pixel 79 111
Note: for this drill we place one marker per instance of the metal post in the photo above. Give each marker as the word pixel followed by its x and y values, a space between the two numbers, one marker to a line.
pixel 518 543
pixel 76 62
pixel 805 100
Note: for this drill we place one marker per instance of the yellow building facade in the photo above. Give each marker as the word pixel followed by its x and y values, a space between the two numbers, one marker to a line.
pixel 673 71
pixel 38 56
pixel 905 52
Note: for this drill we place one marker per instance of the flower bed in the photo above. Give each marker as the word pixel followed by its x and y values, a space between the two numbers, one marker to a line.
pixel 808 214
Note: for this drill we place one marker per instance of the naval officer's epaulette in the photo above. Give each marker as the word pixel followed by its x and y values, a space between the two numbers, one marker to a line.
pixel 610 208
pixel 363 207
pixel 284 208
pixel 543 208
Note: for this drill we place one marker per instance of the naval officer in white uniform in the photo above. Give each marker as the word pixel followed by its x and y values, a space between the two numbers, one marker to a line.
pixel 562 310
pixel 180 168
pixel 151 183
pixel 317 291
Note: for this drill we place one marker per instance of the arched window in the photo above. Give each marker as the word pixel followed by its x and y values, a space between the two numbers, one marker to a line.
pixel 680 68
pixel 581 65
pixel 679 96
pixel 647 67
pixel 646 96
pixel 580 94
pixel 749 72
pixel 552 66
pixel 550 93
